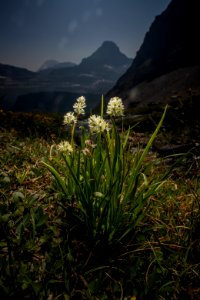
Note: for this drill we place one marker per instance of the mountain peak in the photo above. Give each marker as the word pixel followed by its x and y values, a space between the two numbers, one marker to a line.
pixel 107 54
pixel 110 45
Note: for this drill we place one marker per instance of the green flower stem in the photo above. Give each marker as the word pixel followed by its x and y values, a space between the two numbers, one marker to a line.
pixel 72 134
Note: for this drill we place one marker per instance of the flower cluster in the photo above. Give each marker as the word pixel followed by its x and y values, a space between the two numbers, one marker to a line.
pixel 97 124
pixel 69 118
pixel 79 109
pixel 65 147
pixel 90 144
pixel 87 151
pixel 79 106
pixel 115 107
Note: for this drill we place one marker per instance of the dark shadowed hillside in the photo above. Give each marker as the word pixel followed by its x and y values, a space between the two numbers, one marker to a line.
pixel 51 102
pixel 167 61
pixel 11 73
pixel 166 70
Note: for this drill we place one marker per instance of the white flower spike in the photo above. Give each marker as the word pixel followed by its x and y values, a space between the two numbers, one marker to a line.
pixel 69 119
pixel 80 105
pixel 115 107
pixel 97 124
pixel 65 147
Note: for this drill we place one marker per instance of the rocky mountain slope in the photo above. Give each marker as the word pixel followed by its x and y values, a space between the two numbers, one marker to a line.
pixel 166 70
pixel 167 63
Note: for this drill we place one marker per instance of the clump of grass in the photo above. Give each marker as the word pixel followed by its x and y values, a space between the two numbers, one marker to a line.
pixel 103 179
pixel 105 187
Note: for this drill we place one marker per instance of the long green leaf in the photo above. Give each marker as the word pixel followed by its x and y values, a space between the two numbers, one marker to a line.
pixel 58 178
pixel 150 142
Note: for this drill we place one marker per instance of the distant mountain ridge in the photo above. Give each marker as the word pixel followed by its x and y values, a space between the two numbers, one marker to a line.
pixel 54 64
pixel 96 74
pixel 49 63
pixel 101 57
pixel 15 73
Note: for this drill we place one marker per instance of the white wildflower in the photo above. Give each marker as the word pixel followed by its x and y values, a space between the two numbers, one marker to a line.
pixel 115 107
pixel 79 106
pixel 65 147
pixel 69 118
pixel 90 144
pixel 86 152
pixel 98 194
pixel 97 124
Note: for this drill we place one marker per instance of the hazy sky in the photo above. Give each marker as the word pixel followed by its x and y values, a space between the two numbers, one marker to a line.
pixel 32 31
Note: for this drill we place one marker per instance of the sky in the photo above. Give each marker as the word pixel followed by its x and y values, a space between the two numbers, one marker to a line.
pixel 33 31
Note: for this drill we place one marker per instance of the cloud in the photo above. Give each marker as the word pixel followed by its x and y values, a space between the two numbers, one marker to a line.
pixel 27 3
pixel 40 2
pixel 89 14
pixel 99 12
pixel 63 43
pixel 73 25
pixel 86 15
